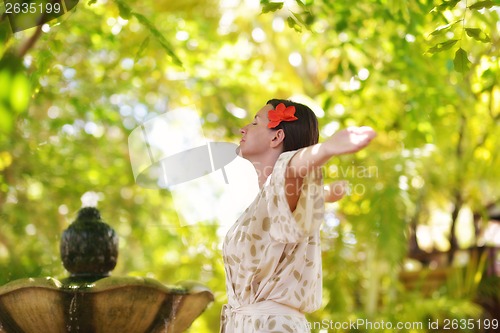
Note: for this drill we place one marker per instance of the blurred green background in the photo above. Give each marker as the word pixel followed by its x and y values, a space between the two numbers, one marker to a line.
pixel 415 241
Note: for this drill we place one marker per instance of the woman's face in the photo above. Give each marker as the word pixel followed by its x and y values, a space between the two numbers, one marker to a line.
pixel 256 136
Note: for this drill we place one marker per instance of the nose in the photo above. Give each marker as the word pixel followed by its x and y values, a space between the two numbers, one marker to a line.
pixel 243 130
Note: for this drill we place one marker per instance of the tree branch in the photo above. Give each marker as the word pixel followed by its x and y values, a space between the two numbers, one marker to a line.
pixel 30 42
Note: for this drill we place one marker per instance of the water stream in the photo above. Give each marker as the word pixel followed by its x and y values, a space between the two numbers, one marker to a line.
pixel 170 321
pixel 74 311
pixel 73 325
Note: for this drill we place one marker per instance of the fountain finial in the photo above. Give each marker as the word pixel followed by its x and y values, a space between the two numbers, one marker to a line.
pixel 89 247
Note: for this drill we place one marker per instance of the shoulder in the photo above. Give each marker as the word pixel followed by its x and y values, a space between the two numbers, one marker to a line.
pixel 279 169
pixel 284 159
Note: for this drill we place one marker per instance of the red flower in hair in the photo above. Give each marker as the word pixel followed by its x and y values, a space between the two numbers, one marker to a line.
pixel 281 113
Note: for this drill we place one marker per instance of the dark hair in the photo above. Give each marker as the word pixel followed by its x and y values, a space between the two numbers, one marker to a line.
pixel 300 133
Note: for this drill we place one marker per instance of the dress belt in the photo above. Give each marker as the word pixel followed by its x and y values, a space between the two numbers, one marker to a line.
pixel 262 308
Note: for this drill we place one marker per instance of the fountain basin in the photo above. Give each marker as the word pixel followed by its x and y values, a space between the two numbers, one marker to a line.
pixel 108 305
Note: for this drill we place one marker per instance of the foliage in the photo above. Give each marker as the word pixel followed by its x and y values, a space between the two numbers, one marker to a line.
pixel 424 74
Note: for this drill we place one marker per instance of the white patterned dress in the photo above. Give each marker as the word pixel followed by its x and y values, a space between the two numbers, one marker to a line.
pixel 272 258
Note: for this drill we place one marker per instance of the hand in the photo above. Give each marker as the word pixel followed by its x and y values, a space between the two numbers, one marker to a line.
pixel 335 191
pixel 350 140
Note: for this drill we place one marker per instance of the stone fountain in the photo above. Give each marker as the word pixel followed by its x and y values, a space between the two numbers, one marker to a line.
pixel 90 300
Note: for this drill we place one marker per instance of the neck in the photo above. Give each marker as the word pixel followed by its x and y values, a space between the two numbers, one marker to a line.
pixel 264 165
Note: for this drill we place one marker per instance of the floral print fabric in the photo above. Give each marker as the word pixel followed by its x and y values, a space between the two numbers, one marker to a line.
pixel 273 254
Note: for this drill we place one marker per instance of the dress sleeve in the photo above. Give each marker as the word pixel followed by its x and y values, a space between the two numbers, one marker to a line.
pixel 285 226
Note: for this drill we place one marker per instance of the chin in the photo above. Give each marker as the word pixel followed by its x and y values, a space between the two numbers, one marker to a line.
pixel 239 152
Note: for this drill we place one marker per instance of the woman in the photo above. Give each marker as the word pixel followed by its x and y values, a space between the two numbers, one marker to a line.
pixel 272 254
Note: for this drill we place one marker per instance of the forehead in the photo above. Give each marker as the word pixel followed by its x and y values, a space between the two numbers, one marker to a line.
pixel 262 113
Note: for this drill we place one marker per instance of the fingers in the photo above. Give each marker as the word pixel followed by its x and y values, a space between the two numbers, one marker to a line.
pixel 350 140
pixel 363 130
pixel 362 136
pixel 368 131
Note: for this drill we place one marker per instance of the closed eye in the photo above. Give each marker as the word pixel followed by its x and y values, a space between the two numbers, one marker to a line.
pixel 254 122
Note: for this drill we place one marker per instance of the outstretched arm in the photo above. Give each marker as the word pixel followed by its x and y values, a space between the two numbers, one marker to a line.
pixel 346 141
pixel 311 158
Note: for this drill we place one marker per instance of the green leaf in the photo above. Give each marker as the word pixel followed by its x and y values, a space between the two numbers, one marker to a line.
pixel 482 4
pixel 6 120
pixel 443 46
pixel 293 24
pixel 4 82
pixel 310 19
pixel 268 6
pixel 300 3
pixel 327 103
pixel 298 18
pixel 477 34
pixel 5 34
pixel 158 36
pixel 301 22
pixel 442 28
pixel 448 4
pixel 20 92
pixel 125 10
pixel 461 62
pixel 142 49
pixel 70 4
